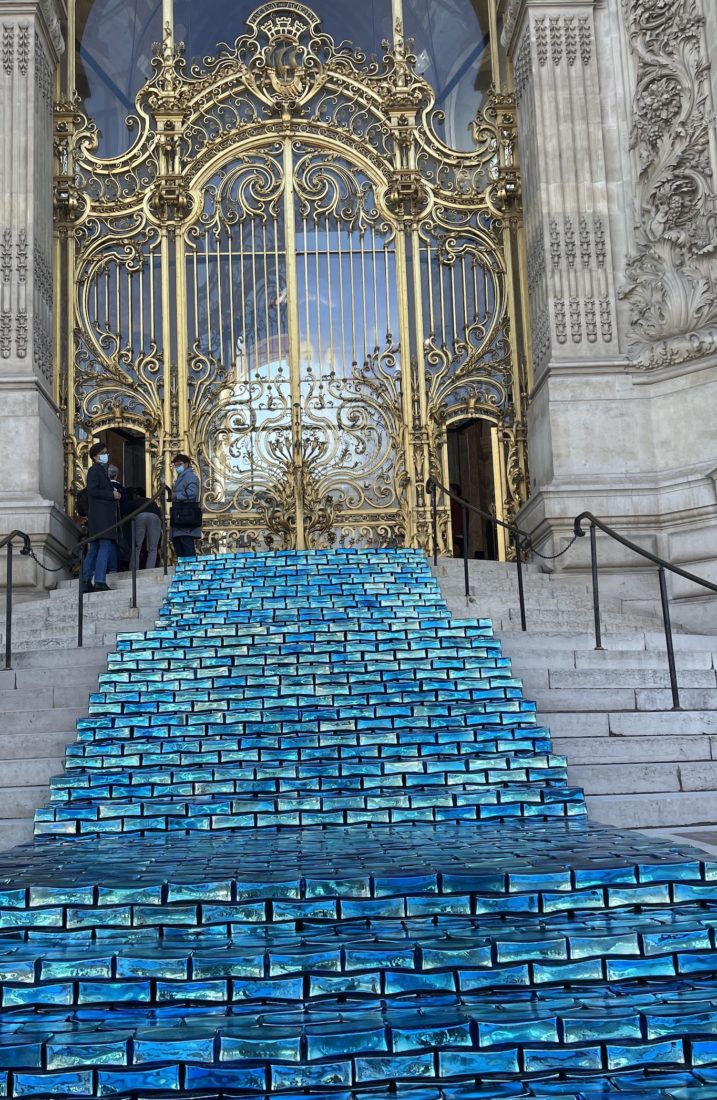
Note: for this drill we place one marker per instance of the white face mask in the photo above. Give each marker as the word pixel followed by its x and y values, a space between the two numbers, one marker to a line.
pixel 104 459
pixel 179 469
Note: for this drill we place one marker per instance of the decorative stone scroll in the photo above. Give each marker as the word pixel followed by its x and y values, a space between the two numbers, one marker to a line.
pixel 672 274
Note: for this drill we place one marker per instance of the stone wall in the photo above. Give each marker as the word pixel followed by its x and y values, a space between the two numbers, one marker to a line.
pixel 618 153
pixel 31 447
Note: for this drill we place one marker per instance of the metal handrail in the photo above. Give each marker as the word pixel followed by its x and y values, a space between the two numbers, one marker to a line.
pixel 521 540
pixel 79 552
pixel 593 520
pixel 662 565
pixel 8 539
pixel 26 551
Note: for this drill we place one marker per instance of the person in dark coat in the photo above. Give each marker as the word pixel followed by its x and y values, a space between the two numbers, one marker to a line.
pixel 101 513
pixel 186 487
pixel 122 510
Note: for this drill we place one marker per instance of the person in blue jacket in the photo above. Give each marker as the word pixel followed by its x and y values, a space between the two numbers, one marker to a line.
pixel 185 488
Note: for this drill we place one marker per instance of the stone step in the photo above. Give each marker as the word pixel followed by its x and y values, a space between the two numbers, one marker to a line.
pixel 67 603
pixel 622 698
pixel 649 659
pixel 642 777
pixel 598 751
pixel 496 601
pixel 562 679
pixel 519 642
pixel 23 801
pixel 145 578
pixel 90 657
pixel 654 810
pixel 540 660
pixel 591 723
pixel 85 676
pixel 96 637
pixel 29 722
pixel 41 698
pixel 14 831
pixel 18 748
pixel 579 620
pixel 32 771
pixel 121 619
pixel 613 678
pixel 665 724
pixel 25 679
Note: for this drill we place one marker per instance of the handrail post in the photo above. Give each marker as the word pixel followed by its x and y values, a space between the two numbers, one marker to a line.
pixel 466 577
pixel 165 539
pixel 8 609
pixel 135 555
pixel 596 586
pixel 521 586
pixel 80 602
pixel 668 639
pixel 434 521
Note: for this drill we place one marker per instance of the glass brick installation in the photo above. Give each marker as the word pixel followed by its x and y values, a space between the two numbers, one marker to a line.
pixel 311 841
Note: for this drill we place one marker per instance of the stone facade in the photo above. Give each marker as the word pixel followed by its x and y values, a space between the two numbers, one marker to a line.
pixel 618 154
pixel 618 147
pixel 31 448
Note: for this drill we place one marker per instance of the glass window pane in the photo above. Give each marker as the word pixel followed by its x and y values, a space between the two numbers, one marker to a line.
pixel 451 41
pixel 201 26
pixel 115 40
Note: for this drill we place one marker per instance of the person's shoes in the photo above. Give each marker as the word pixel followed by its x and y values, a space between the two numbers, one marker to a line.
pixel 102 588
pixel 87 587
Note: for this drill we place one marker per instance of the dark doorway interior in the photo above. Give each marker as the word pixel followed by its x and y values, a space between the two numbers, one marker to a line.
pixel 128 453
pixel 470 469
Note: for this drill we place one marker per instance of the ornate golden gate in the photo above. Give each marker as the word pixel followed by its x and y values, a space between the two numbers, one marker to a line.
pixel 291 277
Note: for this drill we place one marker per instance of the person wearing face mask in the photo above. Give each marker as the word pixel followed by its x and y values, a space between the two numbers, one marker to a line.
pixel 185 515
pixel 101 514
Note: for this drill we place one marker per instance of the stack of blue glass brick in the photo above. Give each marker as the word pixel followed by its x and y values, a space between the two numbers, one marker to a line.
pixel 312 840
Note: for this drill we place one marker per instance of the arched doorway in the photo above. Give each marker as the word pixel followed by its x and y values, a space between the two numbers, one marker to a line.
pixel 289 274
pixel 472 463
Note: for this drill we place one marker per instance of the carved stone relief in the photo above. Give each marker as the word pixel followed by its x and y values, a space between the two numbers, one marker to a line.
pixel 52 23
pixel 672 275
pixel 523 68
pixel 511 12
pixel 42 349
pixel 23 49
pixel 43 75
pixel 21 318
pixel 42 276
pixel 8 48
pixel 5 292
pixel 566 38
pixel 570 276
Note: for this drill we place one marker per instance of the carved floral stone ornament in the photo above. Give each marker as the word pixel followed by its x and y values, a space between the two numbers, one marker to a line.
pixel 672 287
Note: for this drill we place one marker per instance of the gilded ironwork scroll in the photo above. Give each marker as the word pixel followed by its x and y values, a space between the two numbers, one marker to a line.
pixel 290 276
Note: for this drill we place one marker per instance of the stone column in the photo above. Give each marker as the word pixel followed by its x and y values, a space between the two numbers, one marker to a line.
pixel 614 116
pixel 31 445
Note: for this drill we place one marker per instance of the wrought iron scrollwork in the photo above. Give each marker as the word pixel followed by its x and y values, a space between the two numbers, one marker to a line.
pixel 288 232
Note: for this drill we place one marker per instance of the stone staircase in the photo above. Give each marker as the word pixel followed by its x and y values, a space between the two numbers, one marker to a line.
pixel 641 764
pixel 311 840
pixel 46 691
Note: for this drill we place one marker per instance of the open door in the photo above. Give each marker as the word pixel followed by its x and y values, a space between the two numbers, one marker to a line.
pixel 471 468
